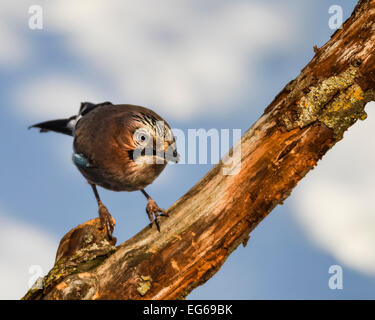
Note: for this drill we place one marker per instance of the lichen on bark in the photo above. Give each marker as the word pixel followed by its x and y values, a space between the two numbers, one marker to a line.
pixel 144 285
pixel 338 102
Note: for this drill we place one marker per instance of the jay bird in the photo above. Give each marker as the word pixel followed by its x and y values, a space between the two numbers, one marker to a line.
pixel 120 148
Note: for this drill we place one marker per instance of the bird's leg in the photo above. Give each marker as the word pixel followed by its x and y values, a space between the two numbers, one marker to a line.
pixel 153 210
pixel 104 215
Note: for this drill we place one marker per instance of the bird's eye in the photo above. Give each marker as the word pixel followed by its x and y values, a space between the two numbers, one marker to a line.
pixel 141 135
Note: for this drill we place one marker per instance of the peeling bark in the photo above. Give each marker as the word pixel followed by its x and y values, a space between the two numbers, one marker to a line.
pixel 303 122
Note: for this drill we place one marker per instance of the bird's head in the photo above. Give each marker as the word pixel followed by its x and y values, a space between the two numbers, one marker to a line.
pixel 152 139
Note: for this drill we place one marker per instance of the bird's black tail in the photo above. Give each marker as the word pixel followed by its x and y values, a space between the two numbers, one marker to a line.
pixel 64 126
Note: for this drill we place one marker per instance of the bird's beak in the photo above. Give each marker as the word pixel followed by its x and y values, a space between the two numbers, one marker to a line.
pixel 165 154
pixel 171 154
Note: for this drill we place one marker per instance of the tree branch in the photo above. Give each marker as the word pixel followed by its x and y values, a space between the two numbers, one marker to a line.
pixel 302 123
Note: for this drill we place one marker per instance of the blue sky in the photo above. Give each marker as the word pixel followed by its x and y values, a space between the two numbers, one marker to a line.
pixel 216 64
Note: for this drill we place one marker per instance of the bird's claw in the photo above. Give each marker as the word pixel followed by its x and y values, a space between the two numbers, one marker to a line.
pixel 153 210
pixel 106 220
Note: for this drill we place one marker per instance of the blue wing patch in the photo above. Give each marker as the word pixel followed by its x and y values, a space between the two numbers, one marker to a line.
pixel 80 160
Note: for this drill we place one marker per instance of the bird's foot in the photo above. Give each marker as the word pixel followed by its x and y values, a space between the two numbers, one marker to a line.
pixel 153 210
pixel 106 220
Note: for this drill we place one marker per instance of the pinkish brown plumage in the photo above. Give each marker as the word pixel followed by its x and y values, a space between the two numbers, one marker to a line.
pixel 120 148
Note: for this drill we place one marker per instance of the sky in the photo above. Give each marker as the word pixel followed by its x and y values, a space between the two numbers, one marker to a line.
pixel 212 64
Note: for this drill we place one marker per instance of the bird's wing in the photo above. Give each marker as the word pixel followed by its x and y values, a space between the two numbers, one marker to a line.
pixel 86 107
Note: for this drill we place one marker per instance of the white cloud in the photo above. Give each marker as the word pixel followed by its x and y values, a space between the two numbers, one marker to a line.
pixel 185 58
pixel 54 96
pixel 335 202
pixel 14 49
pixel 21 247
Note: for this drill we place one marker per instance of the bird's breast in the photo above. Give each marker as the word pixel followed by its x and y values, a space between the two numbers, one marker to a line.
pixel 121 173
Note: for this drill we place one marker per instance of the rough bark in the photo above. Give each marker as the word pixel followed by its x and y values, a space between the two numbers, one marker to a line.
pixel 303 122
